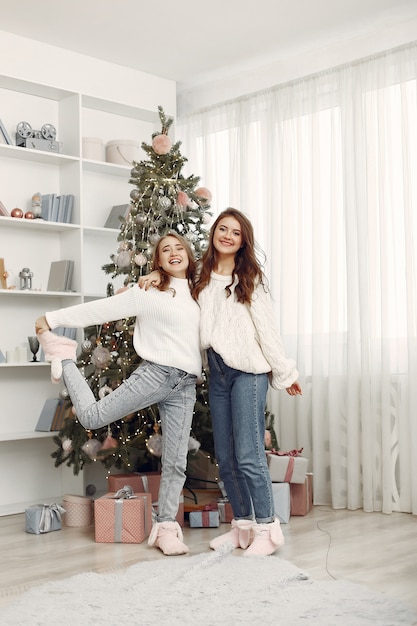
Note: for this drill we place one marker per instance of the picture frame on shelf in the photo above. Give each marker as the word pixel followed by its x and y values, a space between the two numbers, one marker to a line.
pixel 117 212
pixel 4 135
pixel 3 211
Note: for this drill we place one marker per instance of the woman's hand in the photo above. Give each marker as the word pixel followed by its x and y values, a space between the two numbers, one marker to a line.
pixel 41 325
pixel 295 389
pixel 150 280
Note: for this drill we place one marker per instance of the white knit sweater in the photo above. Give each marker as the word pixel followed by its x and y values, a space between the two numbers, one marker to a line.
pixel 167 326
pixel 245 336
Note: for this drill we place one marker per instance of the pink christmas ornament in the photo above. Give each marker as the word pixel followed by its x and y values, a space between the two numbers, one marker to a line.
pixel 182 199
pixel 101 357
pixel 204 194
pixel 109 443
pixel 161 144
pixel 91 448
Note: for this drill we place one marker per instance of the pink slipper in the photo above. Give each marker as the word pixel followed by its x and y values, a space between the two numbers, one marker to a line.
pixel 56 349
pixel 168 537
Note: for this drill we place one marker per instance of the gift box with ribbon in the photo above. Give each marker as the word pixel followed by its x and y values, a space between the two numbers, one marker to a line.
pixel 302 496
pixel 208 517
pixel 146 482
pixel 123 517
pixel 287 467
pixel 43 518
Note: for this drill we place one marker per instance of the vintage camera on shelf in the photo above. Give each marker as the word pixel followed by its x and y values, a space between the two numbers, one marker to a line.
pixel 43 139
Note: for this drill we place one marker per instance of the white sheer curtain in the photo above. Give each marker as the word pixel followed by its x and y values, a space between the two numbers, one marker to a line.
pixel 326 169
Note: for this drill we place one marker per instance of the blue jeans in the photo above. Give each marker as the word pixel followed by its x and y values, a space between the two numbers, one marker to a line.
pixel 172 390
pixel 237 406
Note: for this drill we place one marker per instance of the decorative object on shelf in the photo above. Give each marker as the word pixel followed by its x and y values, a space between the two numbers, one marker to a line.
pixel 43 139
pixel 93 148
pixel 122 151
pixel 4 135
pixel 117 214
pixel 29 215
pixel 60 275
pixel 25 276
pixel 36 205
pixel 34 347
pixel 3 274
pixel 3 211
pixel 16 212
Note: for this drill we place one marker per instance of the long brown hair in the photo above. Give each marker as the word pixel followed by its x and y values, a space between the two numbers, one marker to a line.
pixel 165 277
pixel 247 268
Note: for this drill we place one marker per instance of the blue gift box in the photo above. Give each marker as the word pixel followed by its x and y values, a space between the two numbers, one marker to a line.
pixel 43 518
pixel 204 519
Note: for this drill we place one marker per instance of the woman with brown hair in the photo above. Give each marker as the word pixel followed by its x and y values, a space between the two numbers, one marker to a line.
pixel 166 338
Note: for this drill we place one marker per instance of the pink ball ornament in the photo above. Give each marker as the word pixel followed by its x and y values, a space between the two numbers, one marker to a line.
pixel 124 258
pixel 66 447
pixel 109 443
pixel 182 199
pixel 204 194
pixel 91 448
pixel 141 259
pixel 161 144
pixel 16 212
pixel 101 357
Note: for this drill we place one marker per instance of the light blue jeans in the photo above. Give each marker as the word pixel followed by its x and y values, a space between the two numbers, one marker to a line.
pixel 237 406
pixel 173 390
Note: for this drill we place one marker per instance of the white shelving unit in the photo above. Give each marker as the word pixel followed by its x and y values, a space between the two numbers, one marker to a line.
pixel 27 469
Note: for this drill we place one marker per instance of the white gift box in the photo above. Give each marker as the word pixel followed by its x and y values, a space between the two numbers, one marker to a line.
pixel 287 468
pixel 282 503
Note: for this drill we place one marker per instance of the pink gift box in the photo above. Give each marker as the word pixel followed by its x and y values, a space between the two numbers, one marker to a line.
pixel 123 520
pixel 146 482
pixel 301 496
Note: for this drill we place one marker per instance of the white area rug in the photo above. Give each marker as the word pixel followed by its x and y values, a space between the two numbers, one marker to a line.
pixel 207 589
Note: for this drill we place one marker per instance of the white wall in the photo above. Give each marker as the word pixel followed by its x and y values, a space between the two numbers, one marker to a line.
pixel 41 63
pixel 347 47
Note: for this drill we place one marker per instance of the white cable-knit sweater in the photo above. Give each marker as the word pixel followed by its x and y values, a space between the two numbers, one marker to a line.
pixel 166 329
pixel 245 336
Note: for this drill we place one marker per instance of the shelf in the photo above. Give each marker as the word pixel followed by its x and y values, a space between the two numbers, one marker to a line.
pixel 103 167
pixel 21 222
pixel 28 364
pixel 31 293
pixel 24 436
pixel 37 156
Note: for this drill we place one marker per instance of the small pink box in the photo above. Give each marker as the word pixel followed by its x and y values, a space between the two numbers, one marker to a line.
pixel 123 520
pixel 301 496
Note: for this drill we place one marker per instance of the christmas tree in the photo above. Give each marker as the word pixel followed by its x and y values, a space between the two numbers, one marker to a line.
pixel 162 199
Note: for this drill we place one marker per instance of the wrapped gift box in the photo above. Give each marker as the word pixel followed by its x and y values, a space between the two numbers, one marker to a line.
pixel 207 518
pixel 285 468
pixel 121 519
pixel 43 518
pixel 78 510
pixel 146 482
pixel 225 510
pixel 281 495
pixel 301 496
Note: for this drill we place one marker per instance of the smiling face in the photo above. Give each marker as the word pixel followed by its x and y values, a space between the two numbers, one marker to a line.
pixel 227 236
pixel 172 256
